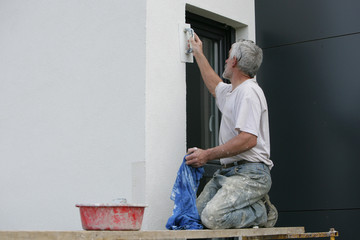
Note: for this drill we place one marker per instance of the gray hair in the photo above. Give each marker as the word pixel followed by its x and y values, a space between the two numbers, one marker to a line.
pixel 248 55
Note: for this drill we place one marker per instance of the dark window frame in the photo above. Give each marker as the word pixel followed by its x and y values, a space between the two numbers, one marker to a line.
pixel 221 32
pixel 225 36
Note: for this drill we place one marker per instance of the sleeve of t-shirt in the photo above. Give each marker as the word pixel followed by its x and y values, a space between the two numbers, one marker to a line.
pixel 248 114
pixel 220 92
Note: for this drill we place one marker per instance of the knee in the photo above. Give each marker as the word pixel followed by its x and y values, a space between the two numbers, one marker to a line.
pixel 211 219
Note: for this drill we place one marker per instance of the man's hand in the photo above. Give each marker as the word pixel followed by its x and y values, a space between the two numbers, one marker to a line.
pixel 196 44
pixel 197 157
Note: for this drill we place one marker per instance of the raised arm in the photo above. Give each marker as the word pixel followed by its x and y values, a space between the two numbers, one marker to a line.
pixel 211 79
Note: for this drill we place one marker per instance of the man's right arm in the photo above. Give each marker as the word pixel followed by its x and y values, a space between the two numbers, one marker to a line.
pixel 211 79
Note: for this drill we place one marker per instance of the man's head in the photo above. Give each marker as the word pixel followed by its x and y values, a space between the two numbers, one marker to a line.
pixel 248 56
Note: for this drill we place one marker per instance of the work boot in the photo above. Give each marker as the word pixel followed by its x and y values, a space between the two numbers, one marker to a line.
pixel 272 212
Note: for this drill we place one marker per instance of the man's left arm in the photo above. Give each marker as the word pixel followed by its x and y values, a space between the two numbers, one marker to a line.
pixel 238 144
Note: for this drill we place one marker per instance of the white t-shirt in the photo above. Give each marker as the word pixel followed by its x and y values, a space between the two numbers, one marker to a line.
pixel 244 110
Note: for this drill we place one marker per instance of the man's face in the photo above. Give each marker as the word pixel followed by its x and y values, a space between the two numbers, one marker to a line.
pixel 227 74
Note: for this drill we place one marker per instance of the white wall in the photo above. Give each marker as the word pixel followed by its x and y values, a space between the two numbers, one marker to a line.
pixel 72 107
pixel 166 93
pixel 93 104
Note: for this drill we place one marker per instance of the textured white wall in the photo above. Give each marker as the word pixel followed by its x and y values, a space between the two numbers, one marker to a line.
pixel 166 94
pixel 72 107
pixel 93 104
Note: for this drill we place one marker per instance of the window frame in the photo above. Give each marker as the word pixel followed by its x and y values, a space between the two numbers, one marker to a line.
pixel 225 36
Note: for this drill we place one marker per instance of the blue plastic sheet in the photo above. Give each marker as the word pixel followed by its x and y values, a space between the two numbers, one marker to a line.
pixel 185 214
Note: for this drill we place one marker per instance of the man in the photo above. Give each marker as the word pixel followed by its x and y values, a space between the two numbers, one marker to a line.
pixel 236 197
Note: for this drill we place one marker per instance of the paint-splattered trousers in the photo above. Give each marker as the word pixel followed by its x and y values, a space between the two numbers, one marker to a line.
pixel 233 198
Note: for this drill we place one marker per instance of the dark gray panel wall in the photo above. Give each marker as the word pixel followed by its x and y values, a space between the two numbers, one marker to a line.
pixel 311 78
pixel 313 91
pixel 283 21
pixel 316 221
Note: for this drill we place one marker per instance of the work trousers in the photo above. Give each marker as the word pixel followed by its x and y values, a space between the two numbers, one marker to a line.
pixel 233 198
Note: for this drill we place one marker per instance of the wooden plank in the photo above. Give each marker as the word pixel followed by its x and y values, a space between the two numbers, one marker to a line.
pixel 159 234
pixel 331 234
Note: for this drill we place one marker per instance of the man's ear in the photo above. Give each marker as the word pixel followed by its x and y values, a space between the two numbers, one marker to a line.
pixel 235 62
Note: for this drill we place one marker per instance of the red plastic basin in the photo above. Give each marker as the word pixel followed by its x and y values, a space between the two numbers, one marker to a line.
pixel 115 217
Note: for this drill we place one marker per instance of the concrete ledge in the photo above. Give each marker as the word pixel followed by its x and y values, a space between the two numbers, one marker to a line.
pixel 159 234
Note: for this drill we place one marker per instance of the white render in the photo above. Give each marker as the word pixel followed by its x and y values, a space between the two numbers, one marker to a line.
pixel 93 105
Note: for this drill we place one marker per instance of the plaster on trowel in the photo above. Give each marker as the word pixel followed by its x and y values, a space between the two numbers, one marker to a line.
pixel 185 33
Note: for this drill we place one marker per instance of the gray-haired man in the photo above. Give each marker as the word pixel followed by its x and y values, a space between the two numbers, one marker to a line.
pixel 236 197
